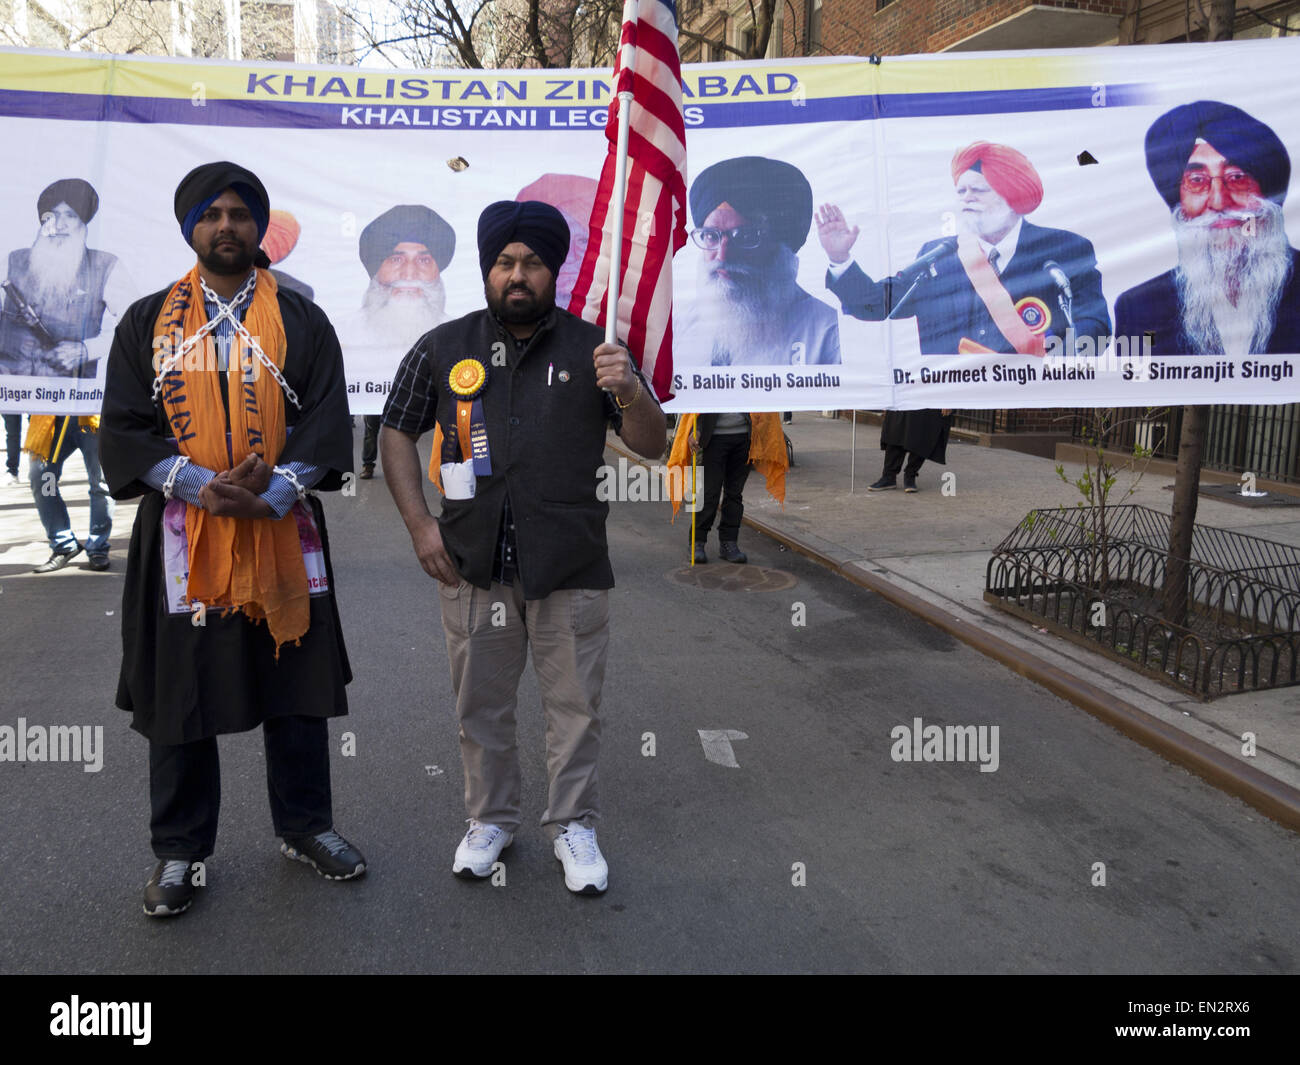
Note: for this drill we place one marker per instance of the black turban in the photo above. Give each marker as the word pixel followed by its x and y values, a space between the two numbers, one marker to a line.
pixel 77 194
pixel 1242 140
pixel 408 223
pixel 201 187
pixel 757 186
pixel 531 222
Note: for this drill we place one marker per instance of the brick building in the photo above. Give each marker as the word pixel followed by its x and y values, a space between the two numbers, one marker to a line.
pixel 906 27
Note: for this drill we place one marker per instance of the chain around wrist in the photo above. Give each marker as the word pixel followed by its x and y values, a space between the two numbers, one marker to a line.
pixel 624 406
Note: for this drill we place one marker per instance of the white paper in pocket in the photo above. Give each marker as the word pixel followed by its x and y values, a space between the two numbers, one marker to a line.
pixel 458 479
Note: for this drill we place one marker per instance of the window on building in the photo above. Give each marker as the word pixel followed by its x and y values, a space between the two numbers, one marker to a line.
pixel 882 4
pixel 745 41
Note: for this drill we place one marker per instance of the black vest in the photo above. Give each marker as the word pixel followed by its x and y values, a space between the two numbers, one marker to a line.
pixel 547 442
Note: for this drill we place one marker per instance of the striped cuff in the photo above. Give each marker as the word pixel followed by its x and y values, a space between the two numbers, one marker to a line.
pixel 189 480
pixel 281 495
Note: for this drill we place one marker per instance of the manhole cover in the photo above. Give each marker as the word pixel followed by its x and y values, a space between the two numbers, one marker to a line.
pixel 729 578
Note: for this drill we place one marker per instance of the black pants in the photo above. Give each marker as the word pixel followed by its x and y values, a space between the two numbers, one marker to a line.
pixel 185 787
pixel 370 441
pixel 726 466
pixel 13 441
pixel 894 462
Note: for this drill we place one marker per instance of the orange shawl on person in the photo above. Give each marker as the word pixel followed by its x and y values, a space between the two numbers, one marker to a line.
pixel 766 451
pixel 249 564
pixel 40 433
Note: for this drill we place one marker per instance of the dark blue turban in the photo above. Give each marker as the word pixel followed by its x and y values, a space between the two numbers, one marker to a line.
pixel 537 224
pixel 1242 140
pixel 200 188
pixel 757 186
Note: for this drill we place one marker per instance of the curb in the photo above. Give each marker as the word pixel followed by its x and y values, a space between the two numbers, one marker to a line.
pixel 1276 800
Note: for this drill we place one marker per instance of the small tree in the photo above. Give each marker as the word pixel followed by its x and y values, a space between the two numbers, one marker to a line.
pixel 1099 477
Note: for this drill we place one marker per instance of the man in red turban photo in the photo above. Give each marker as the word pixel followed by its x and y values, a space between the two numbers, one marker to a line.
pixel 1001 284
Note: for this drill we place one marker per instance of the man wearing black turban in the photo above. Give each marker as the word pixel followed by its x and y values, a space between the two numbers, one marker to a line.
pixel 185 388
pixel 404 250
pixel 1236 289
pixel 752 215
pixel 514 396
pixel 59 291
pixel 61 302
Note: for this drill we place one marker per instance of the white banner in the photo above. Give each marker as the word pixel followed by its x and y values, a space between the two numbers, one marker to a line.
pixel 995 220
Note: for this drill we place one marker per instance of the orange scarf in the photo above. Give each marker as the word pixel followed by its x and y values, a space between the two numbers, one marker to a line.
pixel 766 451
pixel 253 565
pixel 40 434
pixel 993 294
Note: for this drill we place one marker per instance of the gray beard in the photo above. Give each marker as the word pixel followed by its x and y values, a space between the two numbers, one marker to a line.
pixel 53 270
pixel 400 322
pixel 744 322
pixel 1229 283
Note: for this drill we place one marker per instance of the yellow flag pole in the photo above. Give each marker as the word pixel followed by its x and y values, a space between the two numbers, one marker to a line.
pixel 695 487
pixel 58 446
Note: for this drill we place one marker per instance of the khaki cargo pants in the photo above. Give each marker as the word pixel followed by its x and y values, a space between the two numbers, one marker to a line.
pixel 569 635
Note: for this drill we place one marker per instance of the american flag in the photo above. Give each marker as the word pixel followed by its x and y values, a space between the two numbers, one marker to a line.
pixel 654 216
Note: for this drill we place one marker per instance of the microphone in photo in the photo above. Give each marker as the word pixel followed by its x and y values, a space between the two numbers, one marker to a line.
pixel 1065 297
pixel 925 263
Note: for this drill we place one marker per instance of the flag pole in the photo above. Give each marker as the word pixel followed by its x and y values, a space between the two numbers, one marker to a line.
pixel 695 487
pixel 627 57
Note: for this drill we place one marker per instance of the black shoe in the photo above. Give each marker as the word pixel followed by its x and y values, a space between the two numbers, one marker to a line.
pixel 700 556
pixel 883 484
pixel 98 561
pixel 58 560
pixel 909 484
pixel 729 551
pixel 328 853
pixel 170 890
pixel 367 471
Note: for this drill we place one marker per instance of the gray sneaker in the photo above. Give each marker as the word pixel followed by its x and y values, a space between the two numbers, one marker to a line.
pixel 170 890
pixel 328 853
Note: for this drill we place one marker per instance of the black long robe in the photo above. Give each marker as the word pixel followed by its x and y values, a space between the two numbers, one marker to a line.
pixel 182 682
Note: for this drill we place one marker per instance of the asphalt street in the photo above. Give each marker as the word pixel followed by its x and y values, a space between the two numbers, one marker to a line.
pixel 817 851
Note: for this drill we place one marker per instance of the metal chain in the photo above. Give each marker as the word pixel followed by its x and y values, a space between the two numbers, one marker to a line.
pixel 226 312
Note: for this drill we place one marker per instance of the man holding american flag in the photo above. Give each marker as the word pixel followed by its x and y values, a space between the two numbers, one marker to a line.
pixel 520 396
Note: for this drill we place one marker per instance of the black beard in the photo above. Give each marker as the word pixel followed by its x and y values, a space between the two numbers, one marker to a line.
pixel 221 263
pixel 534 309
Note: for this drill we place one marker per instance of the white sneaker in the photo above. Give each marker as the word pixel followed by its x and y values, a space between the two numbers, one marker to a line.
pixel 480 849
pixel 12 478
pixel 585 871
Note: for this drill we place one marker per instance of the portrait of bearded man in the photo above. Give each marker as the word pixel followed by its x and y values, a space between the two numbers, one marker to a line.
pixel 62 299
pixel 1235 290
pixel 752 215
pixel 404 250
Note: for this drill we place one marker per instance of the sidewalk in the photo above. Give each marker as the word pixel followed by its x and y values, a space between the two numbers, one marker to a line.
pixel 928 551
pixel 22 540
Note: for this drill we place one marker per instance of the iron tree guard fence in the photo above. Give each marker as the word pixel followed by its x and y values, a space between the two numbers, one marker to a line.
pixel 1096 576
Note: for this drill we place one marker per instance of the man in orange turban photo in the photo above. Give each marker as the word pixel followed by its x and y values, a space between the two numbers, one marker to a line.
pixel 1002 284
pixel 282 233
